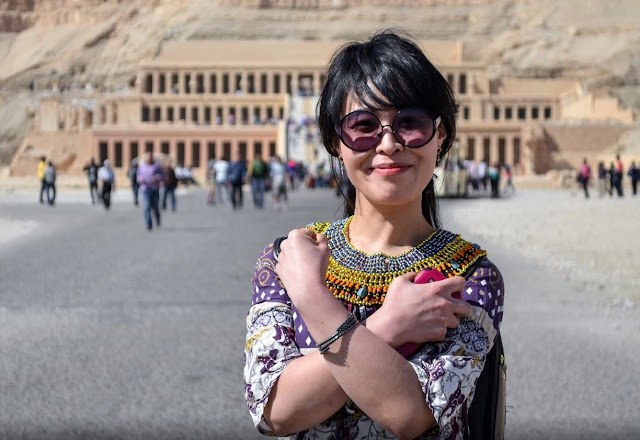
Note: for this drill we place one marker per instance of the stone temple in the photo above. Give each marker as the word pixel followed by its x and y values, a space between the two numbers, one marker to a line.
pixel 204 99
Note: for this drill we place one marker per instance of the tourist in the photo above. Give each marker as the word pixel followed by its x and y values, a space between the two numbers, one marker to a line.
pixel 278 173
pixel 169 185
pixel 237 178
pixel 211 181
pixel 509 187
pixel 91 168
pixel 133 178
pixel 603 183
pixel 258 173
pixel 330 312
pixel 618 173
pixel 187 177
pixel 50 183
pixel 107 179
pixel 150 177
pixel 611 173
pixel 584 176
pixel 634 175
pixel 42 165
pixel 494 179
pixel 221 168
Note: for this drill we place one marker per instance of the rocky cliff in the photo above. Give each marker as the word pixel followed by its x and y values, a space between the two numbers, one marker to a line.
pixel 71 43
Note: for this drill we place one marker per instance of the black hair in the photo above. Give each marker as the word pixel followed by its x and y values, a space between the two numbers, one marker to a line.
pixel 388 71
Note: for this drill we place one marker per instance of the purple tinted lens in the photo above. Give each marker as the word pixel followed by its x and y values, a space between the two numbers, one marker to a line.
pixel 360 130
pixel 413 127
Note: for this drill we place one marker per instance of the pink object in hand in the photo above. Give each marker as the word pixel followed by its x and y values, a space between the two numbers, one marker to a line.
pixel 426 275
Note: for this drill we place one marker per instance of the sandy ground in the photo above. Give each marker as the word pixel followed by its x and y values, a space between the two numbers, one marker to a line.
pixel 571 314
pixel 591 243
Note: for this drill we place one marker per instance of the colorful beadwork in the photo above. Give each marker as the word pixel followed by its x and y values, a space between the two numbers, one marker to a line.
pixel 363 279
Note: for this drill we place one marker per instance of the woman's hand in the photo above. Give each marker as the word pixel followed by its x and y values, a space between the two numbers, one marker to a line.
pixel 303 262
pixel 419 312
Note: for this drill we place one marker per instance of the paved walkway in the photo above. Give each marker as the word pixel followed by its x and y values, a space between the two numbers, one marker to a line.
pixel 110 331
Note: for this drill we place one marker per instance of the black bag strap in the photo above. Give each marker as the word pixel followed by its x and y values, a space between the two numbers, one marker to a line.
pixel 486 416
pixel 276 247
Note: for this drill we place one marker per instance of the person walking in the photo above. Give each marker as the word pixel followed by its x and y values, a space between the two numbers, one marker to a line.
pixel 278 172
pixel 169 186
pixel 603 184
pixel 258 173
pixel 91 169
pixel 42 165
pixel 107 179
pixel 634 175
pixel 508 174
pixel 133 179
pixel 617 172
pixel 50 183
pixel 211 181
pixel 584 176
pixel 326 354
pixel 494 179
pixel 221 168
pixel 237 178
pixel 150 177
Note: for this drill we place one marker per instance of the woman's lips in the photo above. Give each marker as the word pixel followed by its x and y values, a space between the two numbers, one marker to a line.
pixel 390 170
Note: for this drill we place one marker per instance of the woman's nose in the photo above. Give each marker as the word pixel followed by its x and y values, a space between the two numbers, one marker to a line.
pixel 389 143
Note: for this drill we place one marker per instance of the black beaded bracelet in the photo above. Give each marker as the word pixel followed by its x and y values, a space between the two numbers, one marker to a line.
pixel 344 328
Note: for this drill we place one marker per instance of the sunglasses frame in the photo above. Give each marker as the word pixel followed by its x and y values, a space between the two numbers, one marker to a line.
pixel 436 124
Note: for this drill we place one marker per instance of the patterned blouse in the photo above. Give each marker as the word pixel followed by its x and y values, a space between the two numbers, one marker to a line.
pixel 447 370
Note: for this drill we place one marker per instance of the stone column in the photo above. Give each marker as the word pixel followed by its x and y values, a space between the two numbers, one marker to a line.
pixel 283 81
pixel 294 83
pixel 225 114
pixel 244 82
pixel 188 157
pixel 269 82
pixel 181 78
pixel 509 154
pixel 493 152
pixel 126 154
pixel 218 74
pixel 111 151
pixel 173 150
pixel 155 87
pixel 193 82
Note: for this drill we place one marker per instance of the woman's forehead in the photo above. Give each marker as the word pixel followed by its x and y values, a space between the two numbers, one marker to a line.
pixel 354 102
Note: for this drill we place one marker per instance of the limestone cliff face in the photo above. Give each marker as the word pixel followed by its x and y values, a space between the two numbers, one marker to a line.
pixel 70 43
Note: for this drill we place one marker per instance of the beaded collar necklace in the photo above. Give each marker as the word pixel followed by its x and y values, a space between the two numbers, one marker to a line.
pixel 363 279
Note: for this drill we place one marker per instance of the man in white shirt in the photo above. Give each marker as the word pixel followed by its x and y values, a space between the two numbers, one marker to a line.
pixel 108 179
pixel 221 168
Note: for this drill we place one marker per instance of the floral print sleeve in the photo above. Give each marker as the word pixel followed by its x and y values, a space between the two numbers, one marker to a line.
pixel 449 370
pixel 270 343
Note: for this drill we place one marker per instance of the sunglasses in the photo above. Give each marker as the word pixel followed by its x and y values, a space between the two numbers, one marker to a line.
pixel 413 127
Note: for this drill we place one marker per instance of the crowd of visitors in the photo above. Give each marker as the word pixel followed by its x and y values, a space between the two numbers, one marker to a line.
pixel 227 179
pixel 610 180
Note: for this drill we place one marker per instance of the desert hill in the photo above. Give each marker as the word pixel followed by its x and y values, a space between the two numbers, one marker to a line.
pixel 72 43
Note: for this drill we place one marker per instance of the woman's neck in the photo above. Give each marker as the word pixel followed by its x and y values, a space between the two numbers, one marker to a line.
pixel 391 230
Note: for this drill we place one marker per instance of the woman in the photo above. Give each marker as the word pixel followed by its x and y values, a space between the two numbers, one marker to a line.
pixel 388 116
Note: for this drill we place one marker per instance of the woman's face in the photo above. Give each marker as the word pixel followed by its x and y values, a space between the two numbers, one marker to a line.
pixel 390 173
